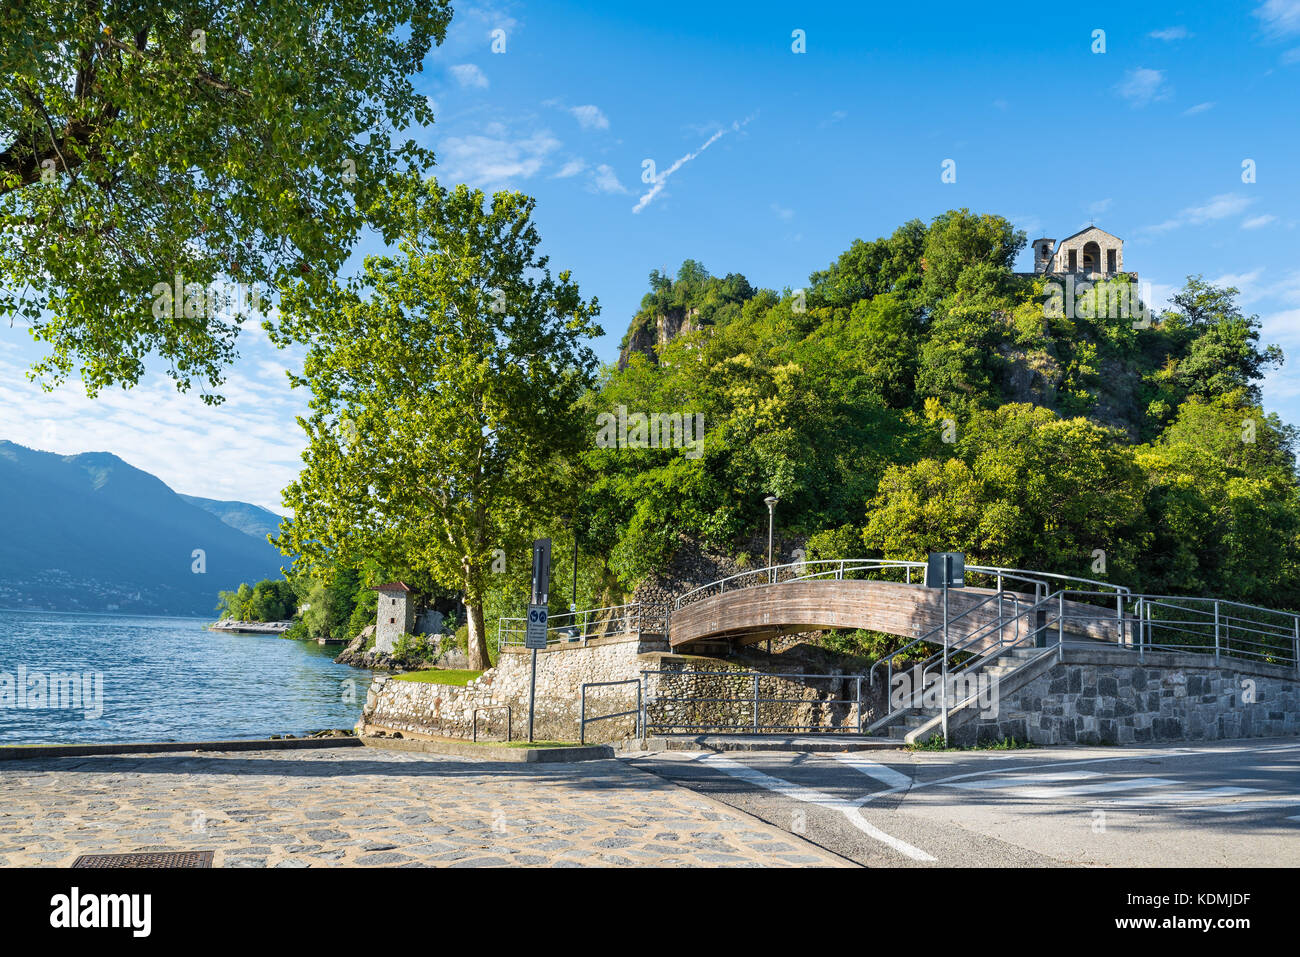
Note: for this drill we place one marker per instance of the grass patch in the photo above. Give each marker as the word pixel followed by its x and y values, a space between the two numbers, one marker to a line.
pixel 1005 744
pixel 440 676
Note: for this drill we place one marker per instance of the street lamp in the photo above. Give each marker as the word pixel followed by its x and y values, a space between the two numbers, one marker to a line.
pixel 572 524
pixel 771 501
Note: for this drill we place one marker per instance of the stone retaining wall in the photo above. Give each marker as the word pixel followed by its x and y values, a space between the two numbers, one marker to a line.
pixel 1104 696
pixel 411 706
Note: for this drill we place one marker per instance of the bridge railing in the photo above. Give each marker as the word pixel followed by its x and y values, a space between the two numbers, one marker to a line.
pixel 1213 626
pixel 575 626
pixel 887 569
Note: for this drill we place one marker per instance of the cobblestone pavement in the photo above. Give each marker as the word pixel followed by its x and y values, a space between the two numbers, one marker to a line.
pixel 366 806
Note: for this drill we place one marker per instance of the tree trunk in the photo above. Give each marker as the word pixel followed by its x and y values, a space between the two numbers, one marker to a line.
pixel 479 659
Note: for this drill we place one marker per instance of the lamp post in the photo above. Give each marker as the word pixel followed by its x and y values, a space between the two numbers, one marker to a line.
pixel 572 524
pixel 771 501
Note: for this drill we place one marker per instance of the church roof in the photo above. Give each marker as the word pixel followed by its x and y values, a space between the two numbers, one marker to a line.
pixel 393 586
pixel 1089 229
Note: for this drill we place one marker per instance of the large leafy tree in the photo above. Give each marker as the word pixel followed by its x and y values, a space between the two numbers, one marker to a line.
pixel 143 140
pixel 444 381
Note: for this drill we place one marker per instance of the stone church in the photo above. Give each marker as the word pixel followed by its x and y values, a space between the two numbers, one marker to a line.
pixel 1091 253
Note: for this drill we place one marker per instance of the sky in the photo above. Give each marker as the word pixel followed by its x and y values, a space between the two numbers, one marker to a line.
pixel 769 161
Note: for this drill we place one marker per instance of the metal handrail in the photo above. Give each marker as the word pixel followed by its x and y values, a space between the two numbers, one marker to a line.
pixel 594 622
pixel 754 700
pixel 583 720
pixel 938 629
pixel 495 707
pixel 839 566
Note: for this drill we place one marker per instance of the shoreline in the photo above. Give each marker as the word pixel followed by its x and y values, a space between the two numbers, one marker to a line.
pixel 251 627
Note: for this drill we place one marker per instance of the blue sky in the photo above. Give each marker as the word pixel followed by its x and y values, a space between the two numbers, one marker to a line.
pixel 776 161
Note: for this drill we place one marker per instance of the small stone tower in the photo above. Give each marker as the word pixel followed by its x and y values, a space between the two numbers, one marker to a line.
pixel 1043 254
pixel 396 615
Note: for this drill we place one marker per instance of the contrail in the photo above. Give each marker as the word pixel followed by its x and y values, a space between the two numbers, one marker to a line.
pixel 659 180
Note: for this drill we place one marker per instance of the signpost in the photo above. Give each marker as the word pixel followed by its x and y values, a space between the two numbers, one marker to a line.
pixel 535 633
pixel 945 570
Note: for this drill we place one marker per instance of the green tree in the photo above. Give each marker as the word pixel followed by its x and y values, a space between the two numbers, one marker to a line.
pixel 146 141
pixel 1025 489
pixel 443 403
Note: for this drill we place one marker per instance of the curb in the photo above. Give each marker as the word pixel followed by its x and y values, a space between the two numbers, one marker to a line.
pixel 169 747
pixel 488 752
pixel 708 742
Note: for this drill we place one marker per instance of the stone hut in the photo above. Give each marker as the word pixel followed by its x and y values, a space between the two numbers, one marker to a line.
pixel 396 615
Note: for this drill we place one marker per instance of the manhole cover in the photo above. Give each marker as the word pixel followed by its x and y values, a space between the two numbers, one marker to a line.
pixel 150 859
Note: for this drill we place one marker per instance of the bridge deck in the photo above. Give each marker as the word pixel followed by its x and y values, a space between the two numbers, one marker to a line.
pixel 753 614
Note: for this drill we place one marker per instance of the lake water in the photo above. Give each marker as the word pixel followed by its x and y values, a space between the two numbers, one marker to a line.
pixel 164 679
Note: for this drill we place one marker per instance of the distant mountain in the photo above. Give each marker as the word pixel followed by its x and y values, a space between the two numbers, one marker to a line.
pixel 91 533
pixel 249 519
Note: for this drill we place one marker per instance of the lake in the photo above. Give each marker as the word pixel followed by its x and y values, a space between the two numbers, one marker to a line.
pixel 71 678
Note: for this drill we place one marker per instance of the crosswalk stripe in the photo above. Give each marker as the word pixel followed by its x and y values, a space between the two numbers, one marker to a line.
pixel 809 796
pixel 882 773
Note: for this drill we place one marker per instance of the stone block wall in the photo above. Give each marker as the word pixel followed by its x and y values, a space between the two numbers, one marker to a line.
pixel 448 711
pixel 1106 696
pixel 707 695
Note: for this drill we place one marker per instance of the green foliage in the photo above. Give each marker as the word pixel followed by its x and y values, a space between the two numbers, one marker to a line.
pixel 135 148
pixel 268 600
pixel 410 651
pixel 924 397
pixel 444 383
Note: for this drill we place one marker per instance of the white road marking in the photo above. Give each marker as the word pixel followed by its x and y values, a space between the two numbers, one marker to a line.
pixel 885 775
pixel 1020 780
pixel 1099 787
pixel 809 796
pixel 1181 797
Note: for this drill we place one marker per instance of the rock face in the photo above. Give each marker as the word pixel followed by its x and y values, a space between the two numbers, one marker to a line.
pixel 440 651
pixel 650 334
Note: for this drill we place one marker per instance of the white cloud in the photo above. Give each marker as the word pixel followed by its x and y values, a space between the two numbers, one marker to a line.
pixel 782 212
pixel 495 157
pixel 1142 86
pixel 1280 17
pixel 648 197
pixel 1198 108
pixel 469 76
pixel 1099 207
pixel 1170 33
pixel 1255 222
pixel 590 117
pixel 246 449
pixel 1216 208
pixel 605 180
pixel 572 168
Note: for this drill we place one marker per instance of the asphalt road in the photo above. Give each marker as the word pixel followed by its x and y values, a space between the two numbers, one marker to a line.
pixel 1233 804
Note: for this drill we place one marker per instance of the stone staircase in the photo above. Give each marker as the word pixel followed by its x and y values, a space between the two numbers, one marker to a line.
pixel 1006 671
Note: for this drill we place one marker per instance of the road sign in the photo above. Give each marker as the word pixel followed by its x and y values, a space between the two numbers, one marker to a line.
pixel 535 634
pixel 541 571
pixel 945 569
